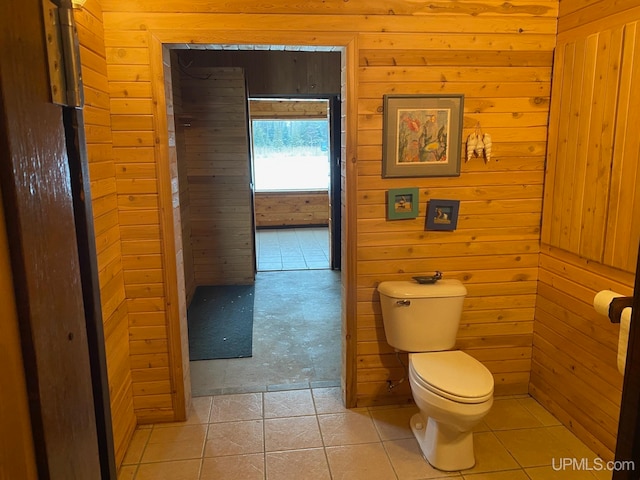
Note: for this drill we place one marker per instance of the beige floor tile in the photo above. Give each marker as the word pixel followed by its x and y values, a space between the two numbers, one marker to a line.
pixel 393 423
pixel 310 464
pixel 491 455
pixel 328 400
pixel 136 446
pixel 360 462
pixel 548 473
pixel 507 414
pixel 579 451
pixel 175 443
pixel 180 470
pixel 409 463
pixel 289 403
pixel 176 434
pixel 229 408
pixel 235 467
pixel 291 433
pixel 505 475
pixel 199 411
pixel 234 438
pixel 347 428
pixel 538 411
pixel 481 427
pixel 127 472
pixel 534 447
pixel 571 442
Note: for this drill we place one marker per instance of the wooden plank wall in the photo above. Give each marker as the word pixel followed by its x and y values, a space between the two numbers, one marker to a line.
pixel 107 221
pixel 292 109
pixel 403 46
pixel 589 233
pixel 216 159
pixel 132 134
pixel 494 250
pixel 291 209
pixel 277 72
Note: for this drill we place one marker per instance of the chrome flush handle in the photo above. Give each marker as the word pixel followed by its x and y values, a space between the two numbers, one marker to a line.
pixel 403 303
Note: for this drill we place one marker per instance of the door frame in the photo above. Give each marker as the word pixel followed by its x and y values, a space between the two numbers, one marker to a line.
pixel 335 188
pixel 160 42
pixel 334 120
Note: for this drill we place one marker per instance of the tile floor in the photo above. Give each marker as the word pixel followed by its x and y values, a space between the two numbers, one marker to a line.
pixel 308 435
pixel 292 248
pixel 296 338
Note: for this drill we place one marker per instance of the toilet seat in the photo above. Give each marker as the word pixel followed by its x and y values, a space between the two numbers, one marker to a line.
pixel 453 375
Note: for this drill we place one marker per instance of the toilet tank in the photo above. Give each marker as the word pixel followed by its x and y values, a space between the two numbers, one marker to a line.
pixel 421 317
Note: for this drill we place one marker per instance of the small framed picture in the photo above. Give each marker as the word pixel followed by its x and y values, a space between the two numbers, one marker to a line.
pixel 442 214
pixel 402 203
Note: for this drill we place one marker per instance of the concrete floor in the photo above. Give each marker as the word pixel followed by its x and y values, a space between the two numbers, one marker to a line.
pixel 296 338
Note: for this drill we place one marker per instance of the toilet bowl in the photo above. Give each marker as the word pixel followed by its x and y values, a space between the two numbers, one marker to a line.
pixel 453 392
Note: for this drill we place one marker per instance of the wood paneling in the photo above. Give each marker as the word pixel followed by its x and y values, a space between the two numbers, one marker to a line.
pixel 273 72
pixel 290 209
pixel 494 248
pixel 104 186
pixel 593 149
pixel 288 109
pixel 214 155
pixel 589 232
pixel 469 48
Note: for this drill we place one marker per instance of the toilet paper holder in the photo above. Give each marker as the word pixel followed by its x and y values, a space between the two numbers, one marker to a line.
pixel 616 307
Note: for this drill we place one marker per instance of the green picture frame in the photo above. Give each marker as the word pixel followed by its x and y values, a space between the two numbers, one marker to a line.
pixel 402 203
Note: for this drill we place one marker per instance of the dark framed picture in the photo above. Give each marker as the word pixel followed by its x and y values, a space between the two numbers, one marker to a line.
pixel 442 214
pixel 422 135
pixel 402 203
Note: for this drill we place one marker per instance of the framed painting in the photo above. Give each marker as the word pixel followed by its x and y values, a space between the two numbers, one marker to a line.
pixel 442 214
pixel 402 203
pixel 422 135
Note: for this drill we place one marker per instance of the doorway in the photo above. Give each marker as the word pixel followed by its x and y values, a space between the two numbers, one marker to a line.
pixel 290 348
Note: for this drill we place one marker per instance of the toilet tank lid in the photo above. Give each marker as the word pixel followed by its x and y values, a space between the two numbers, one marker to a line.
pixel 449 287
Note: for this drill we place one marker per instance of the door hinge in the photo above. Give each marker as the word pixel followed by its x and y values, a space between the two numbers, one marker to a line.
pixel 63 55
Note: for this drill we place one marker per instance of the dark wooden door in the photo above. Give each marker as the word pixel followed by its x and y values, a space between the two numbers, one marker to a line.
pixel 628 442
pixel 38 198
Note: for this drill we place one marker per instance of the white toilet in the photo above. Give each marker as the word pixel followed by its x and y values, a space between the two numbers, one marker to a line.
pixel 453 390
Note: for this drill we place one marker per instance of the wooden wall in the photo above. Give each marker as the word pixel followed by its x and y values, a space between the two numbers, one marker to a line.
pixel 291 209
pixel 498 55
pixel 494 250
pixel 589 232
pixel 278 72
pixel 111 228
pixel 214 128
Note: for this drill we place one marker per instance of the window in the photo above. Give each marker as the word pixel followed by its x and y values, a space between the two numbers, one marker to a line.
pixel 291 154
